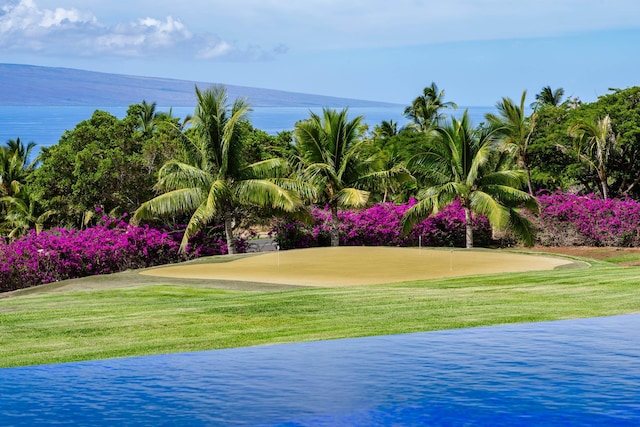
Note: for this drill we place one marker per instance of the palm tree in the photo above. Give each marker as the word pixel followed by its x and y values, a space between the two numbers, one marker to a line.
pixel 593 143
pixel 425 110
pixel 516 129
pixel 15 164
pixel 23 212
pixel 333 161
pixel 212 181
pixel 463 163
pixel 548 96
pixel 147 117
pixel 385 130
pixel 390 174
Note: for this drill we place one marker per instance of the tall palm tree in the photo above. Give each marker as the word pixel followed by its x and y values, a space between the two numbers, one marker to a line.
pixel 593 143
pixel 333 161
pixel 426 110
pixel 212 181
pixel 462 163
pixel 548 96
pixel 516 129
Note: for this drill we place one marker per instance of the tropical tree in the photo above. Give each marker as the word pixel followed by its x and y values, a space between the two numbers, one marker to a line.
pixel 386 129
pixel 24 212
pixel 147 117
pixel 464 163
pixel 548 96
pixel 516 130
pixel 16 164
pixel 212 181
pixel 333 160
pixel 101 162
pixel 593 143
pixel 426 110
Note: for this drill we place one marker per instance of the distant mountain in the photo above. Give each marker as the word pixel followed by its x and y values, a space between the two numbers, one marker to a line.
pixel 26 85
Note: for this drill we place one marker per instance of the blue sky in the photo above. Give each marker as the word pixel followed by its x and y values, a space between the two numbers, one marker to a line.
pixel 477 50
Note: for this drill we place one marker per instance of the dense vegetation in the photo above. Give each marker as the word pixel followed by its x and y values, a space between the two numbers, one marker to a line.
pixel 213 176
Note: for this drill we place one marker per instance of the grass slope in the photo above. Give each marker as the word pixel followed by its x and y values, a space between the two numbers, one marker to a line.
pixel 180 316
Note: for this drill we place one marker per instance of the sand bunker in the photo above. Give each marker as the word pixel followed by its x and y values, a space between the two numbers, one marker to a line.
pixel 349 266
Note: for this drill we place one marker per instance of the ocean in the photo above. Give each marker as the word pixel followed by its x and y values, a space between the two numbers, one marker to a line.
pixel 44 125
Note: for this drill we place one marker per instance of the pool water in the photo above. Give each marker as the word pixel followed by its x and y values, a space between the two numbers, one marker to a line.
pixel 572 372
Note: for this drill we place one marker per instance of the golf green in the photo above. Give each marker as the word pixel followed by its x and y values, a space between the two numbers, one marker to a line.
pixel 351 266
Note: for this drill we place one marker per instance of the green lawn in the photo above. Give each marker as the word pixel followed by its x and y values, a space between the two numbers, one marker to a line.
pixel 51 327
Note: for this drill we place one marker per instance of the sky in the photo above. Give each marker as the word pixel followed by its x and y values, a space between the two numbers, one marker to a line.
pixel 478 51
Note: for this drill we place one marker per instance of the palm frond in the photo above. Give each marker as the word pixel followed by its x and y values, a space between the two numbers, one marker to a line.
pixel 270 168
pixel 511 177
pixel 482 203
pixel 352 197
pixel 377 180
pixel 416 213
pixel 169 203
pixel 305 189
pixel 175 175
pixel 198 220
pixel 268 194
pixel 522 227
pixel 512 197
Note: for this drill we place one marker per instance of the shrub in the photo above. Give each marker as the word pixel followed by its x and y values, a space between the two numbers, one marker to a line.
pixel 574 220
pixel 110 246
pixel 379 225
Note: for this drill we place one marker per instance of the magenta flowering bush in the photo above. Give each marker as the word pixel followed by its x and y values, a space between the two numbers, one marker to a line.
pixel 379 225
pixel 59 254
pixel 574 220
pixel 110 246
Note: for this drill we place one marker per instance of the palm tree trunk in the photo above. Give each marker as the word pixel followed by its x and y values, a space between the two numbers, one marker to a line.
pixel 228 232
pixel 529 183
pixel 469 227
pixel 335 234
pixel 605 188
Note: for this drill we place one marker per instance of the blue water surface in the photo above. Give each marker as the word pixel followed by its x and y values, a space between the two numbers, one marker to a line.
pixel 574 372
pixel 44 125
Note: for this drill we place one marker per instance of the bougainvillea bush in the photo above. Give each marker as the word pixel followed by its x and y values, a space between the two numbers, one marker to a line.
pixel 577 220
pixel 380 226
pixel 109 247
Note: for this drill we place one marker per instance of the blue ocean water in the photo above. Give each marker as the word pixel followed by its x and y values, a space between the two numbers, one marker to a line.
pixel 45 125
pixel 565 373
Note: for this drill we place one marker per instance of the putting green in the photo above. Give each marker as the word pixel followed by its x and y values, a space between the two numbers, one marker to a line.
pixel 350 266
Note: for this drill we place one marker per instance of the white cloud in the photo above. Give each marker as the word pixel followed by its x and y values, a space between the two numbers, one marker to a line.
pixel 24 26
pixel 214 50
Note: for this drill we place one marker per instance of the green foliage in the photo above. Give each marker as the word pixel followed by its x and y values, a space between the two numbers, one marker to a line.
pixel 548 96
pixel 557 165
pixel 23 211
pixel 465 164
pixel 213 179
pixel 333 159
pixel 515 129
pixel 426 110
pixel 105 162
pixel 16 165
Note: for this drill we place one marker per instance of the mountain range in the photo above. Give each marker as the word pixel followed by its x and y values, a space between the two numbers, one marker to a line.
pixel 29 85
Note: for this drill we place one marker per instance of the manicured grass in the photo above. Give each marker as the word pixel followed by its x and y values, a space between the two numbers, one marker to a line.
pixel 149 319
